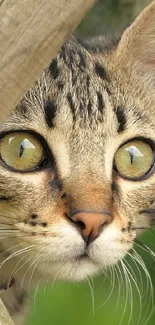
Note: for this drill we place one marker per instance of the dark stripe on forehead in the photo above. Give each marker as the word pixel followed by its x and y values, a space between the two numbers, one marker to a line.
pixel 60 86
pixel 89 108
pixel 72 106
pixel 65 56
pixel 108 90
pixel 74 59
pixel 100 102
pixel 5 198
pixel 121 118
pixel 82 63
pixel 50 111
pixel 23 110
pixel 100 71
pixel 53 68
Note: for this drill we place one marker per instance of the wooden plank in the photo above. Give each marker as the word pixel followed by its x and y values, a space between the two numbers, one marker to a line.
pixel 31 33
pixel 5 318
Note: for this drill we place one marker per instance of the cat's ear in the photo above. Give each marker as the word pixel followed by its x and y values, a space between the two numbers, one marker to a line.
pixel 137 44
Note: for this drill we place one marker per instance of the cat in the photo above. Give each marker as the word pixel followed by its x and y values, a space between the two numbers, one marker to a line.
pixel 77 161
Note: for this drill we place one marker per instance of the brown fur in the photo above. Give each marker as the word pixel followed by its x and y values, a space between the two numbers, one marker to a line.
pixel 100 100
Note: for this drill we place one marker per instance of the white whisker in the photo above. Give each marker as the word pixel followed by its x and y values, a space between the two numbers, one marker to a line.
pixel 127 291
pixel 17 253
pixel 92 297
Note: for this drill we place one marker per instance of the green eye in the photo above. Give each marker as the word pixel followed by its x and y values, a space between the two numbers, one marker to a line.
pixel 21 151
pixel 134 160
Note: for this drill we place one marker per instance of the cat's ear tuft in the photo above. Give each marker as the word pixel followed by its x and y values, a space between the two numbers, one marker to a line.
pixel 137 43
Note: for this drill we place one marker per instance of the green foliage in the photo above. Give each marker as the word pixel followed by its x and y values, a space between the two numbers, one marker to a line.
pixel 110 16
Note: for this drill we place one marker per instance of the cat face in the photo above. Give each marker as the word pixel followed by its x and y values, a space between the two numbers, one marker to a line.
pixel 77 158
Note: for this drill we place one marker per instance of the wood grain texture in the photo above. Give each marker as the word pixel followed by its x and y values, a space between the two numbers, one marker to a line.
pixel 31 33
pixel 5 318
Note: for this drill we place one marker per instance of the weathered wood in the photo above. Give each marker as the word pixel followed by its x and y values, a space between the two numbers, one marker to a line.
pixel 5 318
pixel 31 33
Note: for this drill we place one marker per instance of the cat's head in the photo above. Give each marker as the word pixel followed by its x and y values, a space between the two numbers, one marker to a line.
pixel 78 157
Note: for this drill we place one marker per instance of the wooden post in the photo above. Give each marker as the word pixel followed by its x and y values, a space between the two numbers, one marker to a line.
pixel 5 318
pixel 31 33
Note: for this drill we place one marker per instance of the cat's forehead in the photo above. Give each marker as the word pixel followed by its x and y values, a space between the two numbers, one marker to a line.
pixel 82 92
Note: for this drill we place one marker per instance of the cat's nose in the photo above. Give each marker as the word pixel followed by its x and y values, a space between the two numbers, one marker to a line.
pixel 91 223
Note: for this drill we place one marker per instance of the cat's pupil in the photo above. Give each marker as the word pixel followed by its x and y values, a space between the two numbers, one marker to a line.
pixel 21 150
pixel 131 155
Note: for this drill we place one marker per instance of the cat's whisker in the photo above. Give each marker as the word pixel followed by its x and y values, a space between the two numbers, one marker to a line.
pixel 92 297
pixel 17 269
pixel 34 261
pixel 28 269
pixel 130 277
pixel 138 269
pixel 32 273
pixel 6 223
pixel 15 254
pixel 54 280
pixel 6 251
pixel 142 244
pixel 112 281
pixel 14 237
pixel 150 290
pixel 136 258
pixel 134 280
pixel 45 287
pixel 120 283
pixel 127 288
pixel 9 217
pixel 140 228
pixel 35 295
pixel 145 248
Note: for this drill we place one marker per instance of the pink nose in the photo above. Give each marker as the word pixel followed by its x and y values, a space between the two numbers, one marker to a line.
pixel 91 224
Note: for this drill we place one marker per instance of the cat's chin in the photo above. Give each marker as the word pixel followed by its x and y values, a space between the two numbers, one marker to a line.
pixel 76 270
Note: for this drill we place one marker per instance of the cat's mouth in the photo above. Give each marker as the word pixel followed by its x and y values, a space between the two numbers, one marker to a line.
pixel 69 257
pixel 84 256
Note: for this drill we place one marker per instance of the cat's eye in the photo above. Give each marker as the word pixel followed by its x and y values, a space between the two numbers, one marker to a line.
pixel 134 159
pixel 21 151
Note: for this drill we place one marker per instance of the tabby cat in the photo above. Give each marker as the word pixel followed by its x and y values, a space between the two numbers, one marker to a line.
pixel 77 163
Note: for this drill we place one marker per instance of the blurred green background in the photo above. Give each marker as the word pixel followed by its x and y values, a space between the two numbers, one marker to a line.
pixel 111 298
